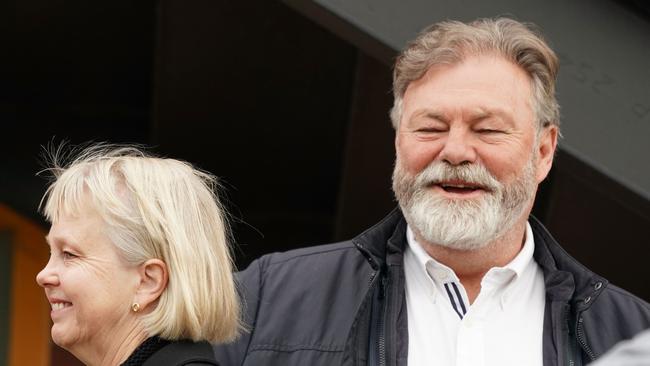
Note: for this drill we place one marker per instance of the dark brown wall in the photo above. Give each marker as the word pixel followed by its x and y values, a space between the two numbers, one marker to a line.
pixel 365 195
pixel 259 95
pixel 601 223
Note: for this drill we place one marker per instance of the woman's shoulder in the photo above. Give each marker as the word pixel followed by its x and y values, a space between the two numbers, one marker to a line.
pixel 183 353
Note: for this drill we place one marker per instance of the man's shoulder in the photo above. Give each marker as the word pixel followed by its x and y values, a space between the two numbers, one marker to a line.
pixel 300 303
pixel 613 316
pixel 306 254
pixel 324 261
pixel 616 298
pixel 373 239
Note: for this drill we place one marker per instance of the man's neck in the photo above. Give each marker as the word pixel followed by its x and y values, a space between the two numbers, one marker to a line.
pixel 471 265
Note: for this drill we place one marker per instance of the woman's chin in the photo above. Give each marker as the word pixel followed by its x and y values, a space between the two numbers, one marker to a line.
pixel 61 337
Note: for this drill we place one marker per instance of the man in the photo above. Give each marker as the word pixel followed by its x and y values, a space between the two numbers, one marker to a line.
pixel 460 274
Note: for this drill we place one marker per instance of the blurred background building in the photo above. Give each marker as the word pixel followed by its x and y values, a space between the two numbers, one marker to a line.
pixel 287 101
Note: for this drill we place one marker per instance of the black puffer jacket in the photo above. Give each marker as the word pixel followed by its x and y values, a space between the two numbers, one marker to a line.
pixel 344 304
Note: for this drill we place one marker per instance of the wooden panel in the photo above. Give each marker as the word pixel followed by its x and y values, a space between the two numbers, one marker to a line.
pixel 29 329
pixel 5 287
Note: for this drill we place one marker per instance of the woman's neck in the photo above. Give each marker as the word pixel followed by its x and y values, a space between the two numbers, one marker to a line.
pixel 115 350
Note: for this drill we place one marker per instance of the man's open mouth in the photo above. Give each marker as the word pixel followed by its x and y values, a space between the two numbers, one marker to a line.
pixel 460 187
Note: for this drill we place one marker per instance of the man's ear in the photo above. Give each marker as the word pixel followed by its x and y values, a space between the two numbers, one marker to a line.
pixel 153 281
pixel 546 151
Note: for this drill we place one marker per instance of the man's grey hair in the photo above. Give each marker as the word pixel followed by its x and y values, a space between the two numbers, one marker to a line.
pixel 450 42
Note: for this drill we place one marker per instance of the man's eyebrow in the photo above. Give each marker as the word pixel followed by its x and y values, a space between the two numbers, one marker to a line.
pixel 474 116
pixel 484 113
pixel 481 115
pixel 431 114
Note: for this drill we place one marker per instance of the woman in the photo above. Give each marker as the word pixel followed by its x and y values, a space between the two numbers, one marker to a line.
pixel 140 271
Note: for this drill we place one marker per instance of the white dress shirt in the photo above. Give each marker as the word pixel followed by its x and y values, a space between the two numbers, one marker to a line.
pixel 503 326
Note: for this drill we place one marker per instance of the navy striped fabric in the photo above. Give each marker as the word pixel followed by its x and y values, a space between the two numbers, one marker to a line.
pixel 456 299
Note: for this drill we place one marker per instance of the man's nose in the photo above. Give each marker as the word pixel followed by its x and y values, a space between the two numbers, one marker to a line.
pixel 458 148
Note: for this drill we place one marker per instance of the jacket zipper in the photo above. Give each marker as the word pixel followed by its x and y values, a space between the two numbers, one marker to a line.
pixel 583 342
pixel 381 319
pixel 568 339
pixel 380 322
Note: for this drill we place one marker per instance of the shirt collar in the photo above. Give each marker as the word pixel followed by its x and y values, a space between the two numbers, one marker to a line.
pixel 421 256
pixel 436 270
pixel 436 273
pixel 523 259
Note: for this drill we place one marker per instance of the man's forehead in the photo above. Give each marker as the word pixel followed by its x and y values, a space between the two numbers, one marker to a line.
pixel 481 86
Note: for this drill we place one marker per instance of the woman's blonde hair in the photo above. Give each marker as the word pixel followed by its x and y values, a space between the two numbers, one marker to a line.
pixel 157 208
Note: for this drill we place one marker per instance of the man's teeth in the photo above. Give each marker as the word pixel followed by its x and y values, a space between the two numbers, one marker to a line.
pixel 458 186
pixel 60 305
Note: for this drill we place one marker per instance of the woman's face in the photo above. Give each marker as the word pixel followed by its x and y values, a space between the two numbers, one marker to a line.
pixel 90 288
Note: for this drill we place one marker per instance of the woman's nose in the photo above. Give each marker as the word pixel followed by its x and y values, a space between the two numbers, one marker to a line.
pixel 47 276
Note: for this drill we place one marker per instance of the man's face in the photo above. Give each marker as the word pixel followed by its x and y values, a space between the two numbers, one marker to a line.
pixel 468 162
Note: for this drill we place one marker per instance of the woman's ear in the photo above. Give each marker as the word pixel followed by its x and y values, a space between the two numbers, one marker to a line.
pixel 153 281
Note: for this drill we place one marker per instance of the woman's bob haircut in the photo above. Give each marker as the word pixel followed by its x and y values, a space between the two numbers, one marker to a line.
pixel 156 208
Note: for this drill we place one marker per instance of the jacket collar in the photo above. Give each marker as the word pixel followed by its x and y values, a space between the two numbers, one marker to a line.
pixel 387 236
pixel 565 278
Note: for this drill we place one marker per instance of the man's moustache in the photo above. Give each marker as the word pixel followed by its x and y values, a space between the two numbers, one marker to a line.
pixel 473 175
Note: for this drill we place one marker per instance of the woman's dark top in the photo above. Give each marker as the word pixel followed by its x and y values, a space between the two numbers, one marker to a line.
pixel 161 352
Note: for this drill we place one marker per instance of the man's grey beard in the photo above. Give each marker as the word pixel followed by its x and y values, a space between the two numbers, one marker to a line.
pixel 463 224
